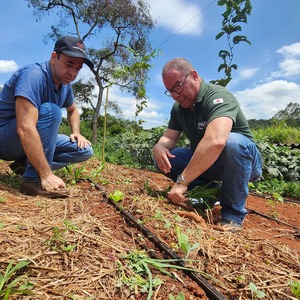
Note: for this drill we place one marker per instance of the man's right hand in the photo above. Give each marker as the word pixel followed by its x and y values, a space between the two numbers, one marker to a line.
pixel 52 183
pixel 161 156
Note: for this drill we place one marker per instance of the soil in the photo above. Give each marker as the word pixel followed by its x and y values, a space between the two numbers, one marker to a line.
pixel 83 247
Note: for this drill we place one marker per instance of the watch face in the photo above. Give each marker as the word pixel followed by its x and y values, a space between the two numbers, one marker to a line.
pixel 181 180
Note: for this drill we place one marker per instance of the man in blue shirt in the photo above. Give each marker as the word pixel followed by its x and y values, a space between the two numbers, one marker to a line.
pixel 222 147
pixel 30 116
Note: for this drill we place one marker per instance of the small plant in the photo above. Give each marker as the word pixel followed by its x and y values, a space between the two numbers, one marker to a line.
pixel 183 242
pixel 73 173
pixel 58 241
pixel 255 291
pixel 140 274
pixel 2 199
pixel 117 196
pixel 10 285
pixel 180 296
pixel 295 288
pixel 158 217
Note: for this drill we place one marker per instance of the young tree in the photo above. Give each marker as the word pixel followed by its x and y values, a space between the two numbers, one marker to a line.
pixel 119 29
pixel 236 12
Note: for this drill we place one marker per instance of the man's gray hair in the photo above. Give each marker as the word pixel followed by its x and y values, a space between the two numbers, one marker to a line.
pixel 181 64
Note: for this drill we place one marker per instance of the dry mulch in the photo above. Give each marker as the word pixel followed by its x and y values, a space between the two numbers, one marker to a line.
pixel 78 247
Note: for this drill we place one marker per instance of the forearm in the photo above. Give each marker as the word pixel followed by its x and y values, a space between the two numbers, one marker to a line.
pixel 33 148
pixel 74 121
pixel 203 158
pixel 166 143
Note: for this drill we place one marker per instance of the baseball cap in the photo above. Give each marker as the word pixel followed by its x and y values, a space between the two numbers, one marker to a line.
pixel 74 47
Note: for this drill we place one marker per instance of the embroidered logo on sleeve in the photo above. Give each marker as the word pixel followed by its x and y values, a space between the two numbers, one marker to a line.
pixel 219 100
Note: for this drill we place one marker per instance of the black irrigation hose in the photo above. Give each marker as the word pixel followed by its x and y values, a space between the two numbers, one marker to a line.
pixel 210 291
pixel 273 219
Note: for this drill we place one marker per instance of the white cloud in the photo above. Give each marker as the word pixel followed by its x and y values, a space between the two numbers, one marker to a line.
pixel 292 50
pixel 265 100
pixel 8 66
pixel 177 16
pixel 244 74
pixel 248 73
pixel 290 66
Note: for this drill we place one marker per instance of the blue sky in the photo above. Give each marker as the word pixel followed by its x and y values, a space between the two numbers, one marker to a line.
pixel 268 75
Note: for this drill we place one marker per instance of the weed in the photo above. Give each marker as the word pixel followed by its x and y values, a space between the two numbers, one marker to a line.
pixel 158 217
pixel 295 288
pixel 255 291
pixel 58 241
pixel 2 199
pixel 10 285
pixel 72 173
pixel 180 296
pixel 139 273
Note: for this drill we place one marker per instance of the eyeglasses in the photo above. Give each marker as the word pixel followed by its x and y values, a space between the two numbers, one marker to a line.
pixel 177 88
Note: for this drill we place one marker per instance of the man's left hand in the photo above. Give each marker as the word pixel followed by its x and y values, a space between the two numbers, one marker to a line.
pixel 82 142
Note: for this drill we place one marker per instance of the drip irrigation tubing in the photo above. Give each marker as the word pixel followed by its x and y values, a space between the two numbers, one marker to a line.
pixel 273 219
pixel 210 291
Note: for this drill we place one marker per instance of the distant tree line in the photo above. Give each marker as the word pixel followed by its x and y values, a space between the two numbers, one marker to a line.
pixel 290 115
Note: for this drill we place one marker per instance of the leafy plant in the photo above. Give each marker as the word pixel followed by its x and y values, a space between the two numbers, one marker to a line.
pixel 236 12
pixel 255 291
pixel 295 288
pixel 2 199
pixel 140 274
pixel 180 296
pixel 183 242
pixel 73 173
pixel 58 241
pixel 117 196
pixel 10 285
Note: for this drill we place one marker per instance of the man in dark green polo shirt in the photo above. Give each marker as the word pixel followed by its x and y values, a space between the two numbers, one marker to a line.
pixel 222 147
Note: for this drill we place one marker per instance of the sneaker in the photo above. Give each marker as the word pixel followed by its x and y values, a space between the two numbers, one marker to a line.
pixel 229 225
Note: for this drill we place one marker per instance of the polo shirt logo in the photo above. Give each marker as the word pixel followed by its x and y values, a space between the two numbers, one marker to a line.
pixel 202 125
pixel 219 100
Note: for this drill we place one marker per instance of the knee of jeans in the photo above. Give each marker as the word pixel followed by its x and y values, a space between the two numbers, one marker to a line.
pixel 88 152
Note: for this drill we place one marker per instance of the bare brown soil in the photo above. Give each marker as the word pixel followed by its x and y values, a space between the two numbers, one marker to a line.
pixel 78 248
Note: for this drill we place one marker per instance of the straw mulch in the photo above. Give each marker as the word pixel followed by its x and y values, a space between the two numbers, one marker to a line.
pixel 77 247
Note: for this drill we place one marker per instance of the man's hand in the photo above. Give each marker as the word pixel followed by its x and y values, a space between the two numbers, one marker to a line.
pixel 52 183
pixel 178 195
pixel 162 155
pixel 82 142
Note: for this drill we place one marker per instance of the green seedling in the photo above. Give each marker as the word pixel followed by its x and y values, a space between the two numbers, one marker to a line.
pixel 295 288
pixel 158 217
pixel 140 265
pixel 180 296
pixel 10 285
pixel 117 196
pixel 58 241
pixel 73 173
pixel 183 242
pixel 255 291
pixel 95 172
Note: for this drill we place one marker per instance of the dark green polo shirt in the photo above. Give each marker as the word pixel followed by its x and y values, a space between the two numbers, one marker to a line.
pixel 213 101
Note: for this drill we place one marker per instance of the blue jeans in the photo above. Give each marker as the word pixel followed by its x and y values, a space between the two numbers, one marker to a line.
pixel 238 164
pixel 58 149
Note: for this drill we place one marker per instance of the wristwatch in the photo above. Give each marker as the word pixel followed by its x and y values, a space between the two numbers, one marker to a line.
pixel 181 180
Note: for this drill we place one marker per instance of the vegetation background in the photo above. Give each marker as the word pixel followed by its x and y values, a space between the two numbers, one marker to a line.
pixel 126 143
